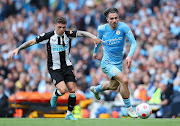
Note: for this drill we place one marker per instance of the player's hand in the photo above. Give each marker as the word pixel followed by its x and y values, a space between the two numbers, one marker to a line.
pixel 128 60
pixel 14 52
pixel 96 57
pixel 96 41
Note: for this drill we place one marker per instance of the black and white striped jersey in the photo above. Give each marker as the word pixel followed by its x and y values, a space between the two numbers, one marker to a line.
pixel 58 48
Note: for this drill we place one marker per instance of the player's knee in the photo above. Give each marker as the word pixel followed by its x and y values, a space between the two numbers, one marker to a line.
pixel 125 81
pixel 72 90
pixel 62 90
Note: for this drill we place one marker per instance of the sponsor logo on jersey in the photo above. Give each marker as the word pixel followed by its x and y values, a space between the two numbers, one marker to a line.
pixel 112 41
pixel 59 48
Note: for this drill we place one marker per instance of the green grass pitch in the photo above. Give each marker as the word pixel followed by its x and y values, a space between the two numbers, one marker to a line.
pixel 88 122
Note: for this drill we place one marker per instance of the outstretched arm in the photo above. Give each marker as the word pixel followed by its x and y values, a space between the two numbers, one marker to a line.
pixel 23 46
pixel 89 35
pixel 27 44
pixel 85 34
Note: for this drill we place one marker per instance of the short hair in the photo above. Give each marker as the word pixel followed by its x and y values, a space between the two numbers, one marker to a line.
pixel 61 20
pixel 110 10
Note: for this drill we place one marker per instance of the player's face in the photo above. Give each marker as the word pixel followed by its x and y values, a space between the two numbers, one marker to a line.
pixel 113 19
pixel 60 28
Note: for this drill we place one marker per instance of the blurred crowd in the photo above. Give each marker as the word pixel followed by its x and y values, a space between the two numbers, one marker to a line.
pixel 154 75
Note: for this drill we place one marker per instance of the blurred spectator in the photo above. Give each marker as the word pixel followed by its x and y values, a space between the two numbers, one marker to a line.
pixel 4 111
pixel 3 69
pixel 166 99
pixel 176 82
pixel 21 83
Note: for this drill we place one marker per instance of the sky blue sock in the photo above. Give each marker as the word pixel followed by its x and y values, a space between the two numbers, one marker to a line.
pixel 99 88
pixel 127 102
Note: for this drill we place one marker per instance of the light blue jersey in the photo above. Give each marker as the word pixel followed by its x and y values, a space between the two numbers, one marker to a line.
pixel 113 44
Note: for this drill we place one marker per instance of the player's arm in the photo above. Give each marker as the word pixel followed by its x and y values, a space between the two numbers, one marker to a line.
pixel 95 56
pixel 85 34
pixel 97 47
pixel 23 46
pixel 42 39
pixel 27 44
pixel 89 35
pixel 133 47
pixel 132 40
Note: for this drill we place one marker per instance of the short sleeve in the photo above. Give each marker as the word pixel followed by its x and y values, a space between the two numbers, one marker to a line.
pixel 44 37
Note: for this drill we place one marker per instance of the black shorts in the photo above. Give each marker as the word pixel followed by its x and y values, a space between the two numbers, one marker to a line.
pixel 65 74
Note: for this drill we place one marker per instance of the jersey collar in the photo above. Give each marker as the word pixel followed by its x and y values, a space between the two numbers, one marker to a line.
pixel 58 35
pixel 108 27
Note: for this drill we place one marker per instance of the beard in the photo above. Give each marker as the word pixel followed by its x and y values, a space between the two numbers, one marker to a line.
pixel 114 25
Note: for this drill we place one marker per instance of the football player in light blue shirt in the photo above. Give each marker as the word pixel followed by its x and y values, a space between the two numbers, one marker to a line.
pixel 113 36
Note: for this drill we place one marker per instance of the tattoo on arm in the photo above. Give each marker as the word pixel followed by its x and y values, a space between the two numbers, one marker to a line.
pixel 85 34
pixel 27 44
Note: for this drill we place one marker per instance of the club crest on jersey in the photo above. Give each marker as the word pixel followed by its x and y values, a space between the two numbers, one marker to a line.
pixel 118 32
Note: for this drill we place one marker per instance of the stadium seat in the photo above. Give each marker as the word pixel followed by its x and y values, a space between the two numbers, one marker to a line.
pixel 104 115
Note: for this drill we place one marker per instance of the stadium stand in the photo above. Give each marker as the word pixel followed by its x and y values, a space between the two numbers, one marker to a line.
pixel 155 24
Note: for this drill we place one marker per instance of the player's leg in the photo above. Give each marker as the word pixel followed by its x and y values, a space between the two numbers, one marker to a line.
pixel 110 71
pixel 71 100
pixel 58 91
pixel 97 89
pixel 110 85
pixel 71 85
pixel 123 80
pixel 124 91
pixel 60 85
pixel 106 85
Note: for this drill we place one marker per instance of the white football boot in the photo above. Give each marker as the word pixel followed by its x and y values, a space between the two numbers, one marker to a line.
pixel 130 111
pixel 96 94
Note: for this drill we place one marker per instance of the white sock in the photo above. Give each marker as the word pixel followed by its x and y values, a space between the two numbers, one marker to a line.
pixel 68 112
pixel 54 92
pixel 57 92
